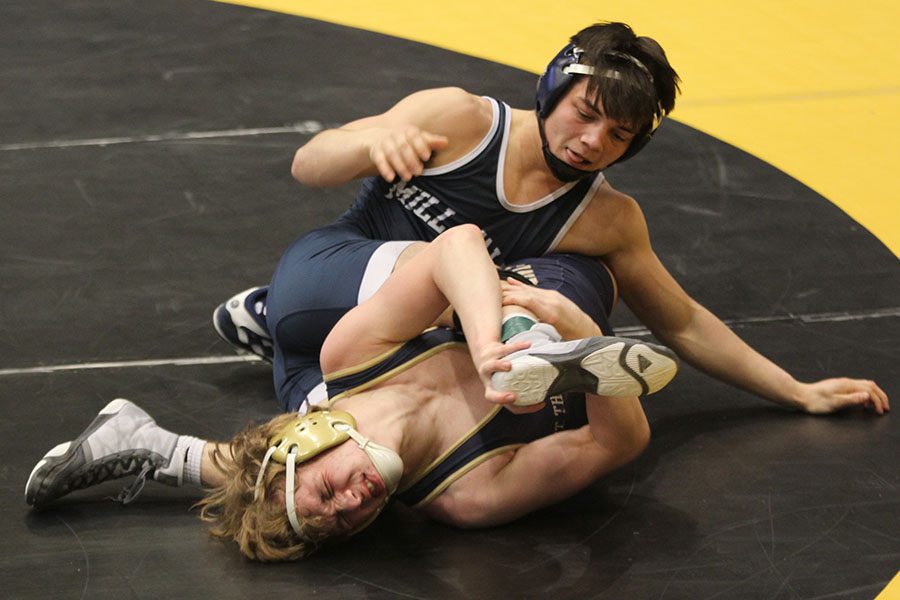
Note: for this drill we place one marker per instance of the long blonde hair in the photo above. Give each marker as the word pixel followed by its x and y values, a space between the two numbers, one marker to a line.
pixel 260 527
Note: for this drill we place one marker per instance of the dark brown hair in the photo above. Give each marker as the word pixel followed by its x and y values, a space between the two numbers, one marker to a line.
pixel 634 96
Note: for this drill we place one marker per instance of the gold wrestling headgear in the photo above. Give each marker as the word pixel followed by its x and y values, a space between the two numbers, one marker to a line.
pixel 307 436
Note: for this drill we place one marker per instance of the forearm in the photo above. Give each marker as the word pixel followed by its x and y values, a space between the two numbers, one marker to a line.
pixel 574 325
pixel 551 307
pixel 709 345
pixel 332 157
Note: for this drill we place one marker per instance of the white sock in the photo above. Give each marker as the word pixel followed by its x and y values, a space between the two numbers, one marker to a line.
pixel 184 465
pixel 192 459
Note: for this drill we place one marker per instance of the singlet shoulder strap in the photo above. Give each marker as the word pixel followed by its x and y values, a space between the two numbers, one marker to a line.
pixel 499 111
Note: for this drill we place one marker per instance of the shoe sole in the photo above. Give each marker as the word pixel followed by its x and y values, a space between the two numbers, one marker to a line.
pixel 57 458
pixel 231 335
pixel 606 366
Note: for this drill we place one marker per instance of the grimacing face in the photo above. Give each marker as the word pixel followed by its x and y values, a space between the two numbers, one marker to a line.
pixel 579 133
pixel 341 487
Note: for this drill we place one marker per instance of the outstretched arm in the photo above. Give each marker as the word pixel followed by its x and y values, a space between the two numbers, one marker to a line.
pixel 704 341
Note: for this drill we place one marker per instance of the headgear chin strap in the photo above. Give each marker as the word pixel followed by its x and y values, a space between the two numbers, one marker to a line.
pixel 304 438
pixel 560 168
pixel 560 74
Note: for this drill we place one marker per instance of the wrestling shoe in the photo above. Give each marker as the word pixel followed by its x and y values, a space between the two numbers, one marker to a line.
pixel 607 366
pixel 241 321
pixel 122 440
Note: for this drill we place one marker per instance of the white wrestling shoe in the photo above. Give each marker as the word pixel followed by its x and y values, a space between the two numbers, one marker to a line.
pixel 606 366
pixel 122 440
pixel 241 324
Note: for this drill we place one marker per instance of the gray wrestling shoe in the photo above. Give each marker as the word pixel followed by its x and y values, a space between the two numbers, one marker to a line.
pixel 607 366
pixel 240 323
pixel 122 440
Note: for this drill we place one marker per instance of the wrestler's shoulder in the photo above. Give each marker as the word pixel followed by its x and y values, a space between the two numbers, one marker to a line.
pixel 612 220
pixel 452 96
pixel 453 106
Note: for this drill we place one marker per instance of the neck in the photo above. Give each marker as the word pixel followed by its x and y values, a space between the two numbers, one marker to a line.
pixel 388 415
pixel 525 138
pixel 372 419
pixel 421 412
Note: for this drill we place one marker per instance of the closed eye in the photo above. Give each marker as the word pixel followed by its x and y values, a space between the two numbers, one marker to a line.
pixel 622 134
pixel 327 493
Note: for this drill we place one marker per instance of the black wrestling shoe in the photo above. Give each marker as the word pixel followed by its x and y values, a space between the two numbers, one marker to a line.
pixel 240 323
pixel 122 440
pixel 606 366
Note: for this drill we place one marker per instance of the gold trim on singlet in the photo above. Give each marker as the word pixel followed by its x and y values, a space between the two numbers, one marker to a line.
pixel 362 366
pixel 437 491
pixel 387 375
pixel 427 469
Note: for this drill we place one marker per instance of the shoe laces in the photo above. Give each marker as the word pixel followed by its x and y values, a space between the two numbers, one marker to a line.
pixel 115 467
pixel 133 489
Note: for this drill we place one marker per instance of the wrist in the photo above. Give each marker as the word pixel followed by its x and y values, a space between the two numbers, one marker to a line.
pixel 480 348
pixel 795 395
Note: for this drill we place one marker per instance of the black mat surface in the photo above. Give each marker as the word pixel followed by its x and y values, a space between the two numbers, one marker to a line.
pixel 122 227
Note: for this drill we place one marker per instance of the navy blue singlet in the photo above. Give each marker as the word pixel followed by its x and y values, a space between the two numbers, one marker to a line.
pixel 470 190
pixel 498 432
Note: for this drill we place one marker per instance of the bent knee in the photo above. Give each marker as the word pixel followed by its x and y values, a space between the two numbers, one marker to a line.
pixel 462 234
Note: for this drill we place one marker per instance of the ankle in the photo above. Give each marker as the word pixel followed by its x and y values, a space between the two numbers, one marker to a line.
pixel 539 334
pixel 184 465
pixel 514 324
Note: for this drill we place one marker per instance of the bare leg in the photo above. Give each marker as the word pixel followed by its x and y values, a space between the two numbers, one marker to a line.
pixel 210 474
pixel 408 254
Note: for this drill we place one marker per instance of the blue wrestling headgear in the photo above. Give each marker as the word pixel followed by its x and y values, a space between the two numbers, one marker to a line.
pixel 308 436
pixel 560 74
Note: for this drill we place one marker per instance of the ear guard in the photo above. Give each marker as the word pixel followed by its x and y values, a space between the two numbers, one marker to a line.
pixel 306 437
pixel 561 73
pixel 557 78
pixel 310 435
pixel 303 439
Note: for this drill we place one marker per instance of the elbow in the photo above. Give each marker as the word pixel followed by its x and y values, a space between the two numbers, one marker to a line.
pixel 306 168
pixel 630 445
pixel 638 440
pixel 626 442
pixel 298 167
pixel 683 328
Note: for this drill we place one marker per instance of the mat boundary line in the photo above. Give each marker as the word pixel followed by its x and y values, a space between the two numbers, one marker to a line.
pixel 829 317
